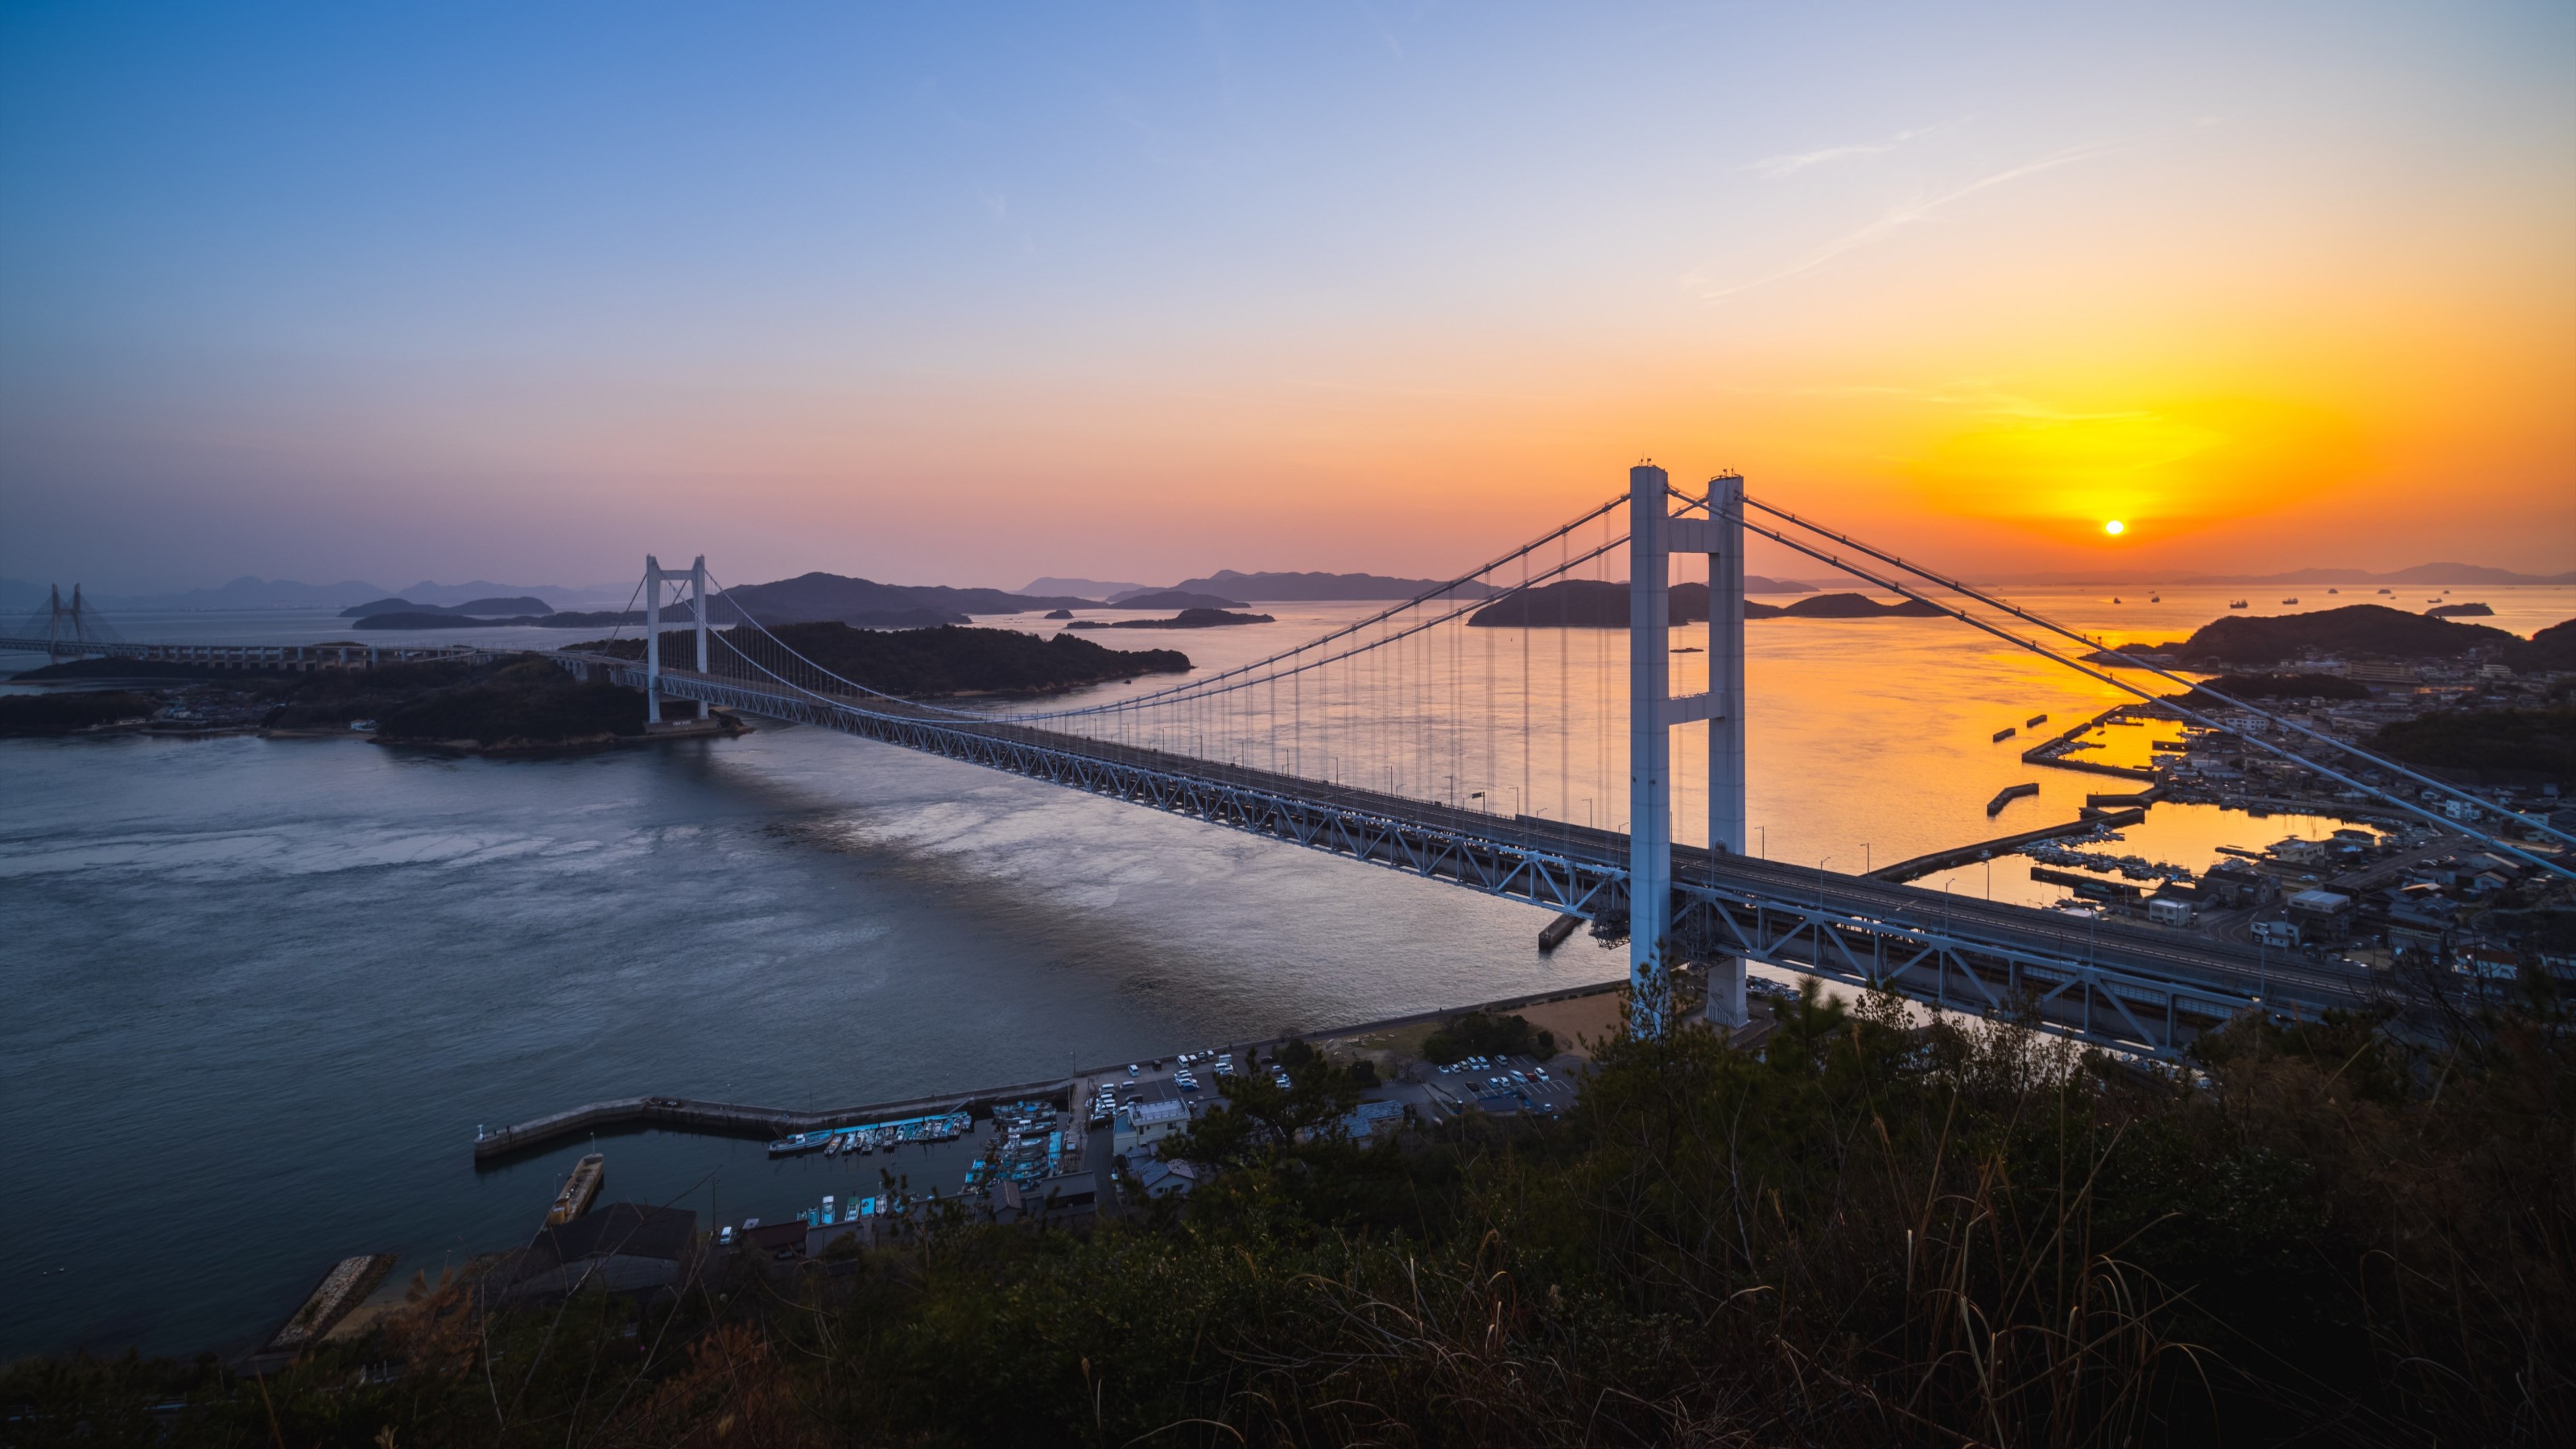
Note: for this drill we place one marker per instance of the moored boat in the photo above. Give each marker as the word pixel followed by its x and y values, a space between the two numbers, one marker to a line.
pixel 578 1190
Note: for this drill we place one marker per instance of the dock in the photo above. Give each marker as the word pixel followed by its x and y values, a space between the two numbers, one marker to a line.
pixel 1921 865
pixel 350 1280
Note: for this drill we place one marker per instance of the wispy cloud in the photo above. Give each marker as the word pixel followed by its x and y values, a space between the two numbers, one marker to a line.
pixel 1799 161
pixel 1894 220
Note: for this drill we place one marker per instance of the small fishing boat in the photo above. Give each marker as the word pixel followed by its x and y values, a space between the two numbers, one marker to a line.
pixel 578 1190
pixel 2236 603
pixel 2291 600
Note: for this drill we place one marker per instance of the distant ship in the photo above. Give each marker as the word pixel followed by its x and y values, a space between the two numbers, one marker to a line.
pixel 2334 591
pixel 2384 591
pixel 2155 598
pixel 2291 600
pixel 2236 603
pixel 2115 598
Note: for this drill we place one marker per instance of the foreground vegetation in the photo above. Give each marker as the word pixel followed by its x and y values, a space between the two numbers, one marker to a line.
pixel 1872 1235
pixel 2491 745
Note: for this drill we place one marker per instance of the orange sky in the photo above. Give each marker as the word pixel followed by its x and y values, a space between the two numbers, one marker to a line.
pixel 1148 297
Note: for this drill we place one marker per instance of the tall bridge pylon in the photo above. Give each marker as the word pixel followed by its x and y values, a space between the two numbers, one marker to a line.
pixel 1655 534
pixel 73 624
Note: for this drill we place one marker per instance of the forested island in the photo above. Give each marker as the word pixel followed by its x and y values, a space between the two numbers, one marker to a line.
pixel 928 663
pixel 525 702
pixel 518 702
pixel 1185 619
pixel 1595 604
pixel 2373 630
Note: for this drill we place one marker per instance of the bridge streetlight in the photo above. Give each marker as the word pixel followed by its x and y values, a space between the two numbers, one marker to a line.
pixel 1820 888
pixel 1763 851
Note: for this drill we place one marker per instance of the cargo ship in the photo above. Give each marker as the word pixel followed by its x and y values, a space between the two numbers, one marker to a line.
pixel 578 1190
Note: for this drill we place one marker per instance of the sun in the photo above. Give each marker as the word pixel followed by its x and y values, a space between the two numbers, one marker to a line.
pixel 2115 527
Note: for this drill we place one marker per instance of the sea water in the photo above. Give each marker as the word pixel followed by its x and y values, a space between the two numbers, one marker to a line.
pixel 261 993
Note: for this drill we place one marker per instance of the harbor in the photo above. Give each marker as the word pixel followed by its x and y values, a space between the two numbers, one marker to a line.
pixel 875 1126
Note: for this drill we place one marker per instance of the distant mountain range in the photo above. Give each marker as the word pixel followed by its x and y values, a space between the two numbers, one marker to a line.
pixel 249 592
pixel 1085 588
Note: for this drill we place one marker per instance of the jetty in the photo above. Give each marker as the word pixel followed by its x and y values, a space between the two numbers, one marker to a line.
pixel 2009 794
pixel 349 1280
pixel 2054 751
pixel 1922 865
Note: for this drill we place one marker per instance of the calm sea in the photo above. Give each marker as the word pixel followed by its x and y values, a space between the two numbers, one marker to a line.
pixel 260 993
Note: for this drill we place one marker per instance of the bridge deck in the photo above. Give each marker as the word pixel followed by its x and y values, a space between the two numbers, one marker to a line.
pixel 2137 988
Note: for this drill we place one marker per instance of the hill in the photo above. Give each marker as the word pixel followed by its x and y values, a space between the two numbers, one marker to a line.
pixel 1593 604
pixel 1185 619
pixel 522 604
pixel 2365 629
pixel 2492 746
pixel 936 663
pixel 1319 587
pixel 821 597
pixel 1175 599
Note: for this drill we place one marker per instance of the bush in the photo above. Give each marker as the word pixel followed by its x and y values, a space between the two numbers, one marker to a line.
pixel 62 714
pixel 1479 1034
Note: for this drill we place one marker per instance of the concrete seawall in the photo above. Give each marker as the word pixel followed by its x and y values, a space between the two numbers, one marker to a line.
pixel 1906 870
pixel 732 1119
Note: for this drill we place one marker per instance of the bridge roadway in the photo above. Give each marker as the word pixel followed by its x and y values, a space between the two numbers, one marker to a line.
pixel 2139 989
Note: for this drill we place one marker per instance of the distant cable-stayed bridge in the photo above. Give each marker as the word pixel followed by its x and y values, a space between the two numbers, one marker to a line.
pixel 1409 740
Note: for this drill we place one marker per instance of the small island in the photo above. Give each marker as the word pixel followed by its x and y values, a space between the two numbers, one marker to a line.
pixel 925 663
pixel 1185 619
pixel 1594 604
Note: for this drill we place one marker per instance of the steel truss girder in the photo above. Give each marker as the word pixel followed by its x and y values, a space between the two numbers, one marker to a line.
pixel 2100 1005
pixel 1495 867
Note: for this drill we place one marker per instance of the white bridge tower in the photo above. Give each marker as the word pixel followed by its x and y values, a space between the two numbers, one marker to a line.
pixel 1655 534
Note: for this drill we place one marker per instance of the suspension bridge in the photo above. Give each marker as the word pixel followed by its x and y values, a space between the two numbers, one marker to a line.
pixel 1393 739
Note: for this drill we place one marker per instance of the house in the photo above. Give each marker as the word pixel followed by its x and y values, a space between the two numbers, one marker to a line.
pixel 2276 933
pixel 1163 1179
pixel 2236 884
pixel 1146 1123
pixel 2320 913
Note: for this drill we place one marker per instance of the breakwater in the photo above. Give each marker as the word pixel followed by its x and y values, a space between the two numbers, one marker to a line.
pixel 2055 751
pixel 732 1119
pixel 1921 865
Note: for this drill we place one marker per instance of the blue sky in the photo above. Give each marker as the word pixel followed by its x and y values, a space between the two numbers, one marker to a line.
pixel 520 292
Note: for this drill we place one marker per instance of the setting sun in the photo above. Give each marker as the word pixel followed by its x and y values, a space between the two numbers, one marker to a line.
pixel 2115 528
